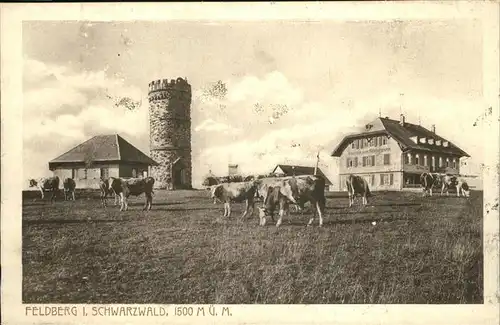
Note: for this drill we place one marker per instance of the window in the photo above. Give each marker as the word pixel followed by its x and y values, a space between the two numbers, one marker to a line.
pixel 387 159
pixel 455 163
pixel 447 162
pixel 355 161
pixel 349 162
pixel 73 173
pixel 433 161
pixel 408 159
pixel 362 144
pixel 134 172
pixel 82 173
pixel 357 144
pixel 352 145
pixel 384 140
pixel 373 160
pixel 425 160
pixel 440 161
pixel 417 159
pixel 386 179
pixel 104 173
pixel 372 180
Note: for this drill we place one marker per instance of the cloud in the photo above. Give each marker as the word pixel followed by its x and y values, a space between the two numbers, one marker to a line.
pixel 63 108
pixel 210 125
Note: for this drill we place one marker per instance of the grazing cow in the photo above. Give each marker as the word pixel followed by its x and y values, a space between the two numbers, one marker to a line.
pixel 274 199
pixel 69 186
pixel 447 181
pixel 302 188
pixel 104 186
pixel 357 185
pixel 428 181
pixel 463 188
pixel 235 192
pixel 133 186
pixel 46 184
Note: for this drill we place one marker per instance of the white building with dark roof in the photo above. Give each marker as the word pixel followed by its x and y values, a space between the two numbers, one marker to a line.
pixel 101 156
pixel 391 154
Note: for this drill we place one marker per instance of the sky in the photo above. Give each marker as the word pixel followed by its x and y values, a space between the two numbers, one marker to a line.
pixel 293 88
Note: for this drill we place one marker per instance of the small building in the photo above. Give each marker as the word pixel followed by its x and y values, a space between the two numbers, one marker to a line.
pixel 293 170
pixel 391 154
pixel 101 156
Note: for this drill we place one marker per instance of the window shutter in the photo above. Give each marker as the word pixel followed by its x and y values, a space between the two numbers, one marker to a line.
pixel 391 178
pixel 373 179
pixel 355 161
pixel 373 160
pixel 381 179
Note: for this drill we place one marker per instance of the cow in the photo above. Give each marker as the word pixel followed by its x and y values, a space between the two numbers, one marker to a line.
pixel 428 181
pixel 447 181
pixel 104 186
pixel 69 186
pixel 298 190
pixel 46 184
pixel 357 185
pixel 133 186
pixel 235 192
pixel 274 199
pixel 463 188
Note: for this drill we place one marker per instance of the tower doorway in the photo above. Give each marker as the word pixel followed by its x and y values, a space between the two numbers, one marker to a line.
pixel 179 174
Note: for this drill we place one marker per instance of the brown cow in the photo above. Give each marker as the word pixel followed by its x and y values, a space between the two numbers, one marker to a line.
pixel 301 189
pixel 235 192
pixel 447 181
pixel 357 185
pixel 133 186
pixel 463 188
pixel 428 181
pixel 69 186
pixel 105 190
pixel 43 184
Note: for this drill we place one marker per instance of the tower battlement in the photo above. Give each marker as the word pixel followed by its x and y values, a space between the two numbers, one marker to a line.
pixel 178 84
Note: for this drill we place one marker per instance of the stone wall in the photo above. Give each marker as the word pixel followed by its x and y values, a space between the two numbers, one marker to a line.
pixel 170 129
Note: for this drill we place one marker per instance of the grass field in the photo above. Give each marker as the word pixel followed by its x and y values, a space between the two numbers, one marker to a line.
pixel 182 251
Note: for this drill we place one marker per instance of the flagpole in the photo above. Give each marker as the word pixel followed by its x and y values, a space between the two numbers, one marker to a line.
pixel 317 163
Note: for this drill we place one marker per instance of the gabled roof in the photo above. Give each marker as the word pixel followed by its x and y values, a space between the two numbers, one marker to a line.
pixel 103 148
pixel 290 170
pixel 403 135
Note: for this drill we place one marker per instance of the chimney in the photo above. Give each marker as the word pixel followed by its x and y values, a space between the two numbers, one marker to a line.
pixel 433 128
pixel 402 120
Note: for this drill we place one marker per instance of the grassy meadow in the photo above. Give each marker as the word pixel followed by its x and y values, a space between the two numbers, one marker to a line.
pixel 421 250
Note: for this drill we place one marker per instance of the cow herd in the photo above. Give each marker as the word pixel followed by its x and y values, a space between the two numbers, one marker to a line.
pixel 120 188
pixel 429 181
pixel 277 194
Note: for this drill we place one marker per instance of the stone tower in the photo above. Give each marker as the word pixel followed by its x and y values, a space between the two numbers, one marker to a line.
pixel 170 133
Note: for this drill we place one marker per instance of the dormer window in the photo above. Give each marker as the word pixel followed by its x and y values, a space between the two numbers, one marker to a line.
pixel 438 142
pixel 421 140
pixel 445 143
pixel 414 139
pixel 430 141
